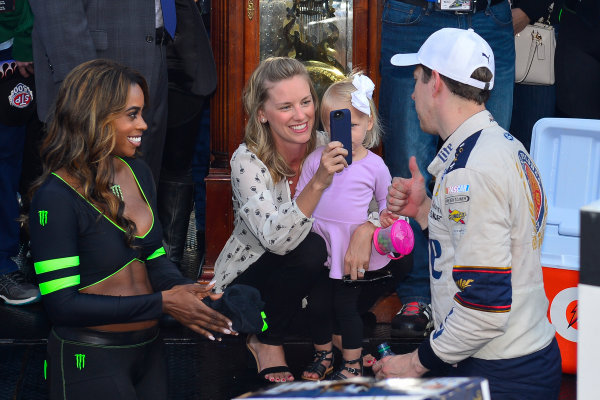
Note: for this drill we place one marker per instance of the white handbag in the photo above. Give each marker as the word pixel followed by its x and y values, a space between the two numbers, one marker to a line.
pixel 534 49
pixel 534 53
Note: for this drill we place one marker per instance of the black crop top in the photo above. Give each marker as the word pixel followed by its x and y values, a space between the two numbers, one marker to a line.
pixel 74 246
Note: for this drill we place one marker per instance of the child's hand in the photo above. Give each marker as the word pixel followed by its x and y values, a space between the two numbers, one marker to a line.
pixel 386 218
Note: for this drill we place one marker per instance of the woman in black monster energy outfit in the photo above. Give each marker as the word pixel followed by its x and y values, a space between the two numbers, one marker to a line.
pixel 97 245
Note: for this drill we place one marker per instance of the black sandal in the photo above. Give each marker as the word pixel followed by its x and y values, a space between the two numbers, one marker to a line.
pixel 262 374
pixel 317 365
pixel 338 376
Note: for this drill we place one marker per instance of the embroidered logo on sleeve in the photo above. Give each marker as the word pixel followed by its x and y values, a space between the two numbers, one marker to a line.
pixel 537 200
pixel 464 283
pixel 43 217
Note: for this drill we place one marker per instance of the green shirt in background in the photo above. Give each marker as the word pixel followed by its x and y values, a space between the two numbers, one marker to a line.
pixel 17 25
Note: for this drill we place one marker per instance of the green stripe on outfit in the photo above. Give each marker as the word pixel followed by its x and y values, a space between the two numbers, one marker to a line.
pixel 157 253
pixel 57 284
pixel 55 264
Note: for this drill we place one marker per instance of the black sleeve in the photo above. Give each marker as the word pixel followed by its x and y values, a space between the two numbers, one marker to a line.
pixel 535 9
pixel 53 225
pixel 68 307
pixel 164 274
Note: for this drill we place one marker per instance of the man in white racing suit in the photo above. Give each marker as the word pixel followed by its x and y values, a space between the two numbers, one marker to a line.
pixel 485 224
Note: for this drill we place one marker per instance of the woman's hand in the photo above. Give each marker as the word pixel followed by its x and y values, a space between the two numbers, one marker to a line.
pixel 184 303
pixel 520 20
pixel 332 161
pixel 358 254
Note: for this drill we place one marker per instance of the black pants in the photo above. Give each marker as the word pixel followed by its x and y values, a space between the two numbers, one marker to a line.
pixel 335 307
pixel 536 376
pixel 86 364
pixel 577 64
pixel 155 114
pixel 283 281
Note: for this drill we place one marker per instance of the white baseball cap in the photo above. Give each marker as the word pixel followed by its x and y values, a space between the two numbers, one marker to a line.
pixel 454 53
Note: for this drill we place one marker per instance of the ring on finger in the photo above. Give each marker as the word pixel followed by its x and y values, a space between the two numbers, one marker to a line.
pixel 361 270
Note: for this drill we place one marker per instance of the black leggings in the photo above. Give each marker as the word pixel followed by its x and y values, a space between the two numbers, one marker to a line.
pixel 335 307
pixel 87 364
pixel 283 281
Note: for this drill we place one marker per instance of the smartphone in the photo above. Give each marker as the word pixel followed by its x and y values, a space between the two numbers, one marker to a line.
pixel 370 276
pixel 340 127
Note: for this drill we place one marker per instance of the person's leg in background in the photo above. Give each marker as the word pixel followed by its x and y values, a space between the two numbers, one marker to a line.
pixel 494 24
pixel 577 61
pixel 155 115
pixel 189 110
pixel 530 104
pixel 405 27
pixel 200 168
pixel 14 289
pixel 403 31
pixel 176 187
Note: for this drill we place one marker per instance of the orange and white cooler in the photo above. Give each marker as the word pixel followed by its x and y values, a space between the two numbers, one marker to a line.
pixel 566 151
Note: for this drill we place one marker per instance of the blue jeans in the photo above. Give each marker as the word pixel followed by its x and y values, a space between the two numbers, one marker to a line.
pixel 404 29
pixel 531 103
pixel 12 140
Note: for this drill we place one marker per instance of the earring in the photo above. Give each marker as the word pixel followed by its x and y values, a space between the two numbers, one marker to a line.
pixel 263 120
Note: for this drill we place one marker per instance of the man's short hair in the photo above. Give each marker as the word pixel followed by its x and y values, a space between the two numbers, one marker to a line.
pixel 468 92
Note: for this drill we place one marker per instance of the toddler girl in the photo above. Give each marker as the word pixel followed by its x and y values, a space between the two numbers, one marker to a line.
pixel 335 306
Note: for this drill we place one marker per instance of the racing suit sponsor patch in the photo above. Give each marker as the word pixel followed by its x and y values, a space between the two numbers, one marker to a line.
pixel 457 199
pixel 457 189
pixel 457 216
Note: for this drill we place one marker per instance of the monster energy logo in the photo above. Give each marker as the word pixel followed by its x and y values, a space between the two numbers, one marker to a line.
pixel 264 319
pixel 43 217
pixel 80 361
pixel 116 189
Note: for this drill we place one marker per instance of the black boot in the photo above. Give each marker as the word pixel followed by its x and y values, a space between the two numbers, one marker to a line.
pixel 175 203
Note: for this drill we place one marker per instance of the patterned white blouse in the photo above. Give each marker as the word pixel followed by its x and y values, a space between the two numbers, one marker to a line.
pixel 265 218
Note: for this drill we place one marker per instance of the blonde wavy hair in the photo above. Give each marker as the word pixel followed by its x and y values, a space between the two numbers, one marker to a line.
pixel 342 92
pixel 257 136
pixel 81 135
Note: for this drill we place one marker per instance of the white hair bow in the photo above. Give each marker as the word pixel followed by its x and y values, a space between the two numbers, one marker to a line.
pixel 364 91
